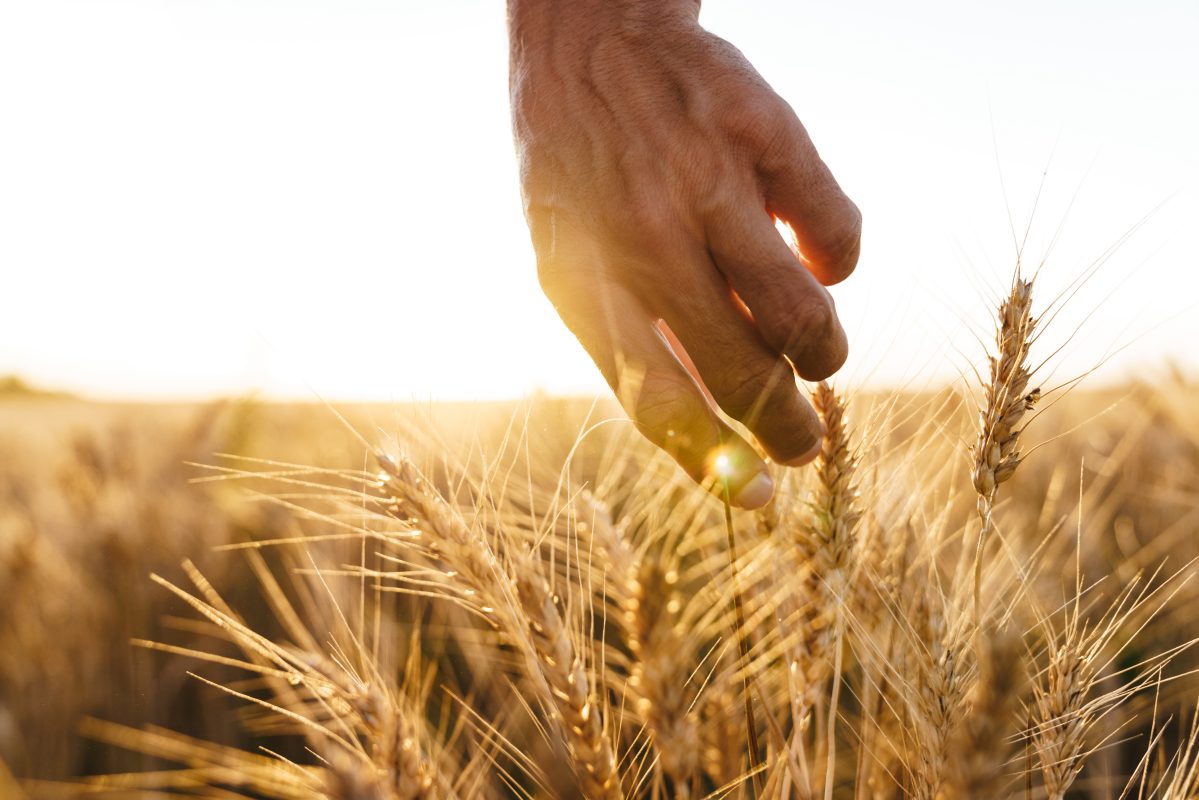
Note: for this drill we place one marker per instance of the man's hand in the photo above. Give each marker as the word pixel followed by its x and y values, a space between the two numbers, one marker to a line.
pixel 653 158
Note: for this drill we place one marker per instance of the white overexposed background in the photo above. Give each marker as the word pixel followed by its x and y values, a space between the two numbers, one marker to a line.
pixel 308 198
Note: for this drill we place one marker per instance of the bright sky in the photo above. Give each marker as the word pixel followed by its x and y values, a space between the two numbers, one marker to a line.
pixel 319 196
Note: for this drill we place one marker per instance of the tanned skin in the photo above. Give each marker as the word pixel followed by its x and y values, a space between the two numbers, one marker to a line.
pixel 654 160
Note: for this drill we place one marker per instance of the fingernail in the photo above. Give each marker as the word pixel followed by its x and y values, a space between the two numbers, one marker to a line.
pixel 806 458
pixel 756 493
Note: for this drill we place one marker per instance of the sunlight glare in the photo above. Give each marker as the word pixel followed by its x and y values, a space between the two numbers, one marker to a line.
pixel 722 465
pixel 788 233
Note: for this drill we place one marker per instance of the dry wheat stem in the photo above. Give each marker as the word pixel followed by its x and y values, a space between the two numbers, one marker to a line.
pixel 751 728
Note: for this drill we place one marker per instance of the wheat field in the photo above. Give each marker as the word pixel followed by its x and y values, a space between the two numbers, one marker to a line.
pixel 985 591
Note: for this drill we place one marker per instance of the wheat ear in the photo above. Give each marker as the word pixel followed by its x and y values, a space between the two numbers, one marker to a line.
pixel 398 768
pixel 646 592
pixel 835 519
pixel 943 675
pixel 522 599
pixel 1065 706
pixel 997 452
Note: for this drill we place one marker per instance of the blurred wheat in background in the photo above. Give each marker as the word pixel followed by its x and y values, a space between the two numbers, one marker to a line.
pixel 971 594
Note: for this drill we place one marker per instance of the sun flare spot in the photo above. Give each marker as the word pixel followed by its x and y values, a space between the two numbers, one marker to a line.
pixel 722 465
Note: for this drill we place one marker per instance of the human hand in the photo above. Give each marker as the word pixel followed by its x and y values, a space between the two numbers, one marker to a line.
pixel 652 160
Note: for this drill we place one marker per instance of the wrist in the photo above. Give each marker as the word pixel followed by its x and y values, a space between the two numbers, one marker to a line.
pixel 548 27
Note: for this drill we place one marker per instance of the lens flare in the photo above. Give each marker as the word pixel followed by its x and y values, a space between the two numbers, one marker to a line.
pixel 722 465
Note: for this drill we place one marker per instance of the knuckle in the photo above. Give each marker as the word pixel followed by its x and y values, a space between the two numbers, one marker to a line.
pixel 797 439
pixel 817 344
pixel 816 319
pixel 844 243
pixel 718 208
pixel 804 327
pixel 666 408
pixel 758 118
pixel 744 388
